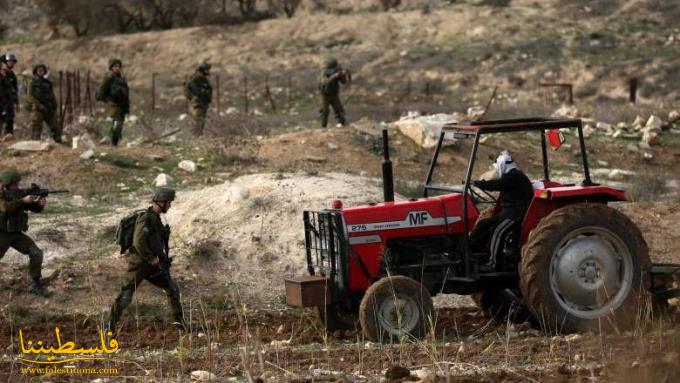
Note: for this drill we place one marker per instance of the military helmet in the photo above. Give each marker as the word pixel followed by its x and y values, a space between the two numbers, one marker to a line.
pixel 331 63
pixel 10 56
pixel 113 62
pixel 39 65
pixel 163 194
pixel 9 176
pixel 203 66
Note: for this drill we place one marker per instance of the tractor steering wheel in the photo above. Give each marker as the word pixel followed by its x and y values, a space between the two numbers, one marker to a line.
pixel 480 195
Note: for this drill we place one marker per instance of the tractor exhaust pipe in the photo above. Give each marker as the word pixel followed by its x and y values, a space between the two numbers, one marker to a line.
pixel 388 179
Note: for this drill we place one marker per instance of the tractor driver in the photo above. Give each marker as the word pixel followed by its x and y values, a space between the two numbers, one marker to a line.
pixel 515 196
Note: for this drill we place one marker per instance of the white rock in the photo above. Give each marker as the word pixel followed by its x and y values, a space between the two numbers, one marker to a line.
pixel 31 146
pixel 639 121
pixel 231 110
pixel 203 376
pixel 162 180
pixel 84 141
pixel 333 146
pixel 131 118
pixel 603 126
pixel 182 117
pixel 87 154
pixel 622 125
pixel 649 137
pixel 187 165
pixel 654 124
pixel 573 337
pixel 648 156
pixel 569 111
pixel 475 112
pixel 674 116
pixel 617 133
pixel 424 130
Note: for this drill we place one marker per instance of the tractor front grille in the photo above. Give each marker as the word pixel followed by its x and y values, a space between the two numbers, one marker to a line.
pixel 325 243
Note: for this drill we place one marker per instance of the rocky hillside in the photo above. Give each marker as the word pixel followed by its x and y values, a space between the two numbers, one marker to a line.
pixel 460 47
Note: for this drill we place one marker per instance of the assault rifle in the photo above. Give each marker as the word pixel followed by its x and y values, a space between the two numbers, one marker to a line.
pixel 37 191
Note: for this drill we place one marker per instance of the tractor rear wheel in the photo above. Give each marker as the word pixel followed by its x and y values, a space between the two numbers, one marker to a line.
pixel 585 267
pixel 394 308
pixel 335 318
pixel 503 305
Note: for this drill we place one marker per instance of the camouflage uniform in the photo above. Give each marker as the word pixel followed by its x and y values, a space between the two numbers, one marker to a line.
pixel 42 104
pixel 115 92
pixel 329 87
pixel 13 225
pixel 149 243
pixel 199 96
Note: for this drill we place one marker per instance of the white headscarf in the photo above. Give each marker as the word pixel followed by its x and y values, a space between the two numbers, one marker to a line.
pixel 504 163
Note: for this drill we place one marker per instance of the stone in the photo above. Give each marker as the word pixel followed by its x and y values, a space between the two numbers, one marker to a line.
pixel 568 111
pixel 231 110
pixel 333 146
pixel 31 146
pixel 162 180
pixel 673 116
pixel 649 137
pixel 573 337
pixel 182 117
pixel 187 165
pixel 424 130
pixel 86 155
pixel 203 376
pixel 654 124
pixel 639 121
pixel 474 112
pixel 617 133
pixel 84 141
pixel 603 126
pixel 131 119
pixel 647 156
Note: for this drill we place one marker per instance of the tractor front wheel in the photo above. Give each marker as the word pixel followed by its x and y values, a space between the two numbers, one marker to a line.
pixel 395 308
pixel 585 267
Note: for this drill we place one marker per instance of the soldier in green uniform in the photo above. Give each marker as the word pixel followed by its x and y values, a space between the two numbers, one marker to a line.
pixel 148 259
pixel 199 96
pixel 42 104
pixel 329 86
pixel 14 223
pixel 115 93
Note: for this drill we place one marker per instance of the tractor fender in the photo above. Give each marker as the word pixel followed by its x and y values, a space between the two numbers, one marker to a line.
pixel 547 200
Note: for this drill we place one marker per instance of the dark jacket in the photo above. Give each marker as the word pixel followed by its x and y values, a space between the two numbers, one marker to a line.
pixel 114 89
pixel 515 190
pixel 329 85
pixel 150 237
pixel 41 95
pixel 14 83
pixel 13 217
pixel 198 90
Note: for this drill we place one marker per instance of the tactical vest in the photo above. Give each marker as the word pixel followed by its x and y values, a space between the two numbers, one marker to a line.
pixel 12 222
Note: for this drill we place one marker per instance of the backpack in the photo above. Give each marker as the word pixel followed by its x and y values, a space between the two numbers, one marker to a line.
pixel 126 230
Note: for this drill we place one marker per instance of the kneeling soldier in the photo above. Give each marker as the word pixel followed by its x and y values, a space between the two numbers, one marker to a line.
pixel 14 222
pixel 149 260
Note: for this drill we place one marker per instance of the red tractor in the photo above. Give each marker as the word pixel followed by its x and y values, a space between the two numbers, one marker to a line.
pixel 580 264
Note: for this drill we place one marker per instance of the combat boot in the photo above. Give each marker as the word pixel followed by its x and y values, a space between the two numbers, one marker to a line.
pixel 38 289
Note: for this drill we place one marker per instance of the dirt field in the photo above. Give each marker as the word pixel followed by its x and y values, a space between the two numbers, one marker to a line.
pixel 237 221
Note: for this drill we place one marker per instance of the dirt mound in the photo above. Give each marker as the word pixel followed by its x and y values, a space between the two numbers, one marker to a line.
pixel 250 229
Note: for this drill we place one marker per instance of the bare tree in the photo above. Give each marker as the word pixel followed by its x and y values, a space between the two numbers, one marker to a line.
pixel 288 7
pixel 247 7
pixel 389 4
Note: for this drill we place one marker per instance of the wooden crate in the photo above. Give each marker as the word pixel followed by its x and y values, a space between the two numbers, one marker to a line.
pixel 308 291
